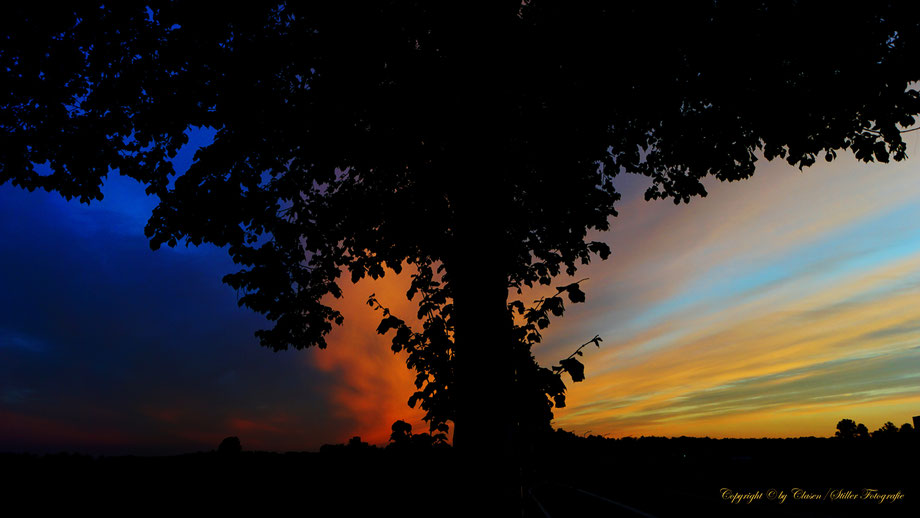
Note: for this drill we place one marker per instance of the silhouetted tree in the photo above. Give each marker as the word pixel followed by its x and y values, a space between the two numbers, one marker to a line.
pixel 861 431
pixel 476 142
pixel 402 433
pixel 403 438
pixel 355 443
pixel 846 429
pixel 887 431
pixel 906 428
pixel 230 446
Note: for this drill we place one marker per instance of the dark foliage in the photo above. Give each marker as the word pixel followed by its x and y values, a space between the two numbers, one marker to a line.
pixel 230 446
pixel 537 390
pixel 846 429
pixel 402 438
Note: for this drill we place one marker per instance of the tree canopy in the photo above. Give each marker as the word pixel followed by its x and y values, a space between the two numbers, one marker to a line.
pixel 475 142
pixel 846 429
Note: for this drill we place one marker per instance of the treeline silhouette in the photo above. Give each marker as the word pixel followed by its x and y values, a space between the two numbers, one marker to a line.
pixel 848 429
pixel 417 475
pixel 401 439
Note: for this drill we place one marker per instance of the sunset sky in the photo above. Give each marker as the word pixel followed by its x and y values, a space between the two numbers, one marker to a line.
pixel 774 307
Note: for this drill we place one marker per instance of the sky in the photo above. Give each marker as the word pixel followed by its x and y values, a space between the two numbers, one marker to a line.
pixel 774 307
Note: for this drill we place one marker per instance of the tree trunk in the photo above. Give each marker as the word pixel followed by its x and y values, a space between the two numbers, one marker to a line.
pixel 484 370
pixel 478 264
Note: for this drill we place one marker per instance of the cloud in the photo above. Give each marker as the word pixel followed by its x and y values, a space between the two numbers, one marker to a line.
pixel 723 312
pixel 371 384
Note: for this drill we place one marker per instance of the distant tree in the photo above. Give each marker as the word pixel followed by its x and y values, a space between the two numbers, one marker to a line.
pixel 402 433
pixel 230 446
pixel 887 430
pixel 862 432
pixel 355 443
pixel 846 429
pixel 906 428
pixel 403 438
pixel 476 142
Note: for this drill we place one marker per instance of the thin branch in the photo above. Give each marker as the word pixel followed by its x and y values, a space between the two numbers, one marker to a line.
pixel 594 341
pixel 878 132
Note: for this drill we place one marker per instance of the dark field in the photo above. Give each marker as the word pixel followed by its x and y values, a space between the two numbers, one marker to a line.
pixel 567 476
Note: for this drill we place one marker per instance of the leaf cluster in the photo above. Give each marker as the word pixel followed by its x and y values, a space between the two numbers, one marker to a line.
pixel 430 352
pixel 352 139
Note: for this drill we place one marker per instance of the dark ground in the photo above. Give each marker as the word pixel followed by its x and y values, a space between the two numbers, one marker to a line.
pixel 568 476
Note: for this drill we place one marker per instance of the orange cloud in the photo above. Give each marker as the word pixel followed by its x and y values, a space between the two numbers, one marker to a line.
pixel 373 384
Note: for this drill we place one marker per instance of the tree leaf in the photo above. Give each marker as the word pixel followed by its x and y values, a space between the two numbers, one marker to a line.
pixel 389 322
pixel 575 368
pixel 575 293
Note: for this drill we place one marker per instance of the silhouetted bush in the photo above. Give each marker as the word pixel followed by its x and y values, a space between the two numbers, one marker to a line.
pixel 230 446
